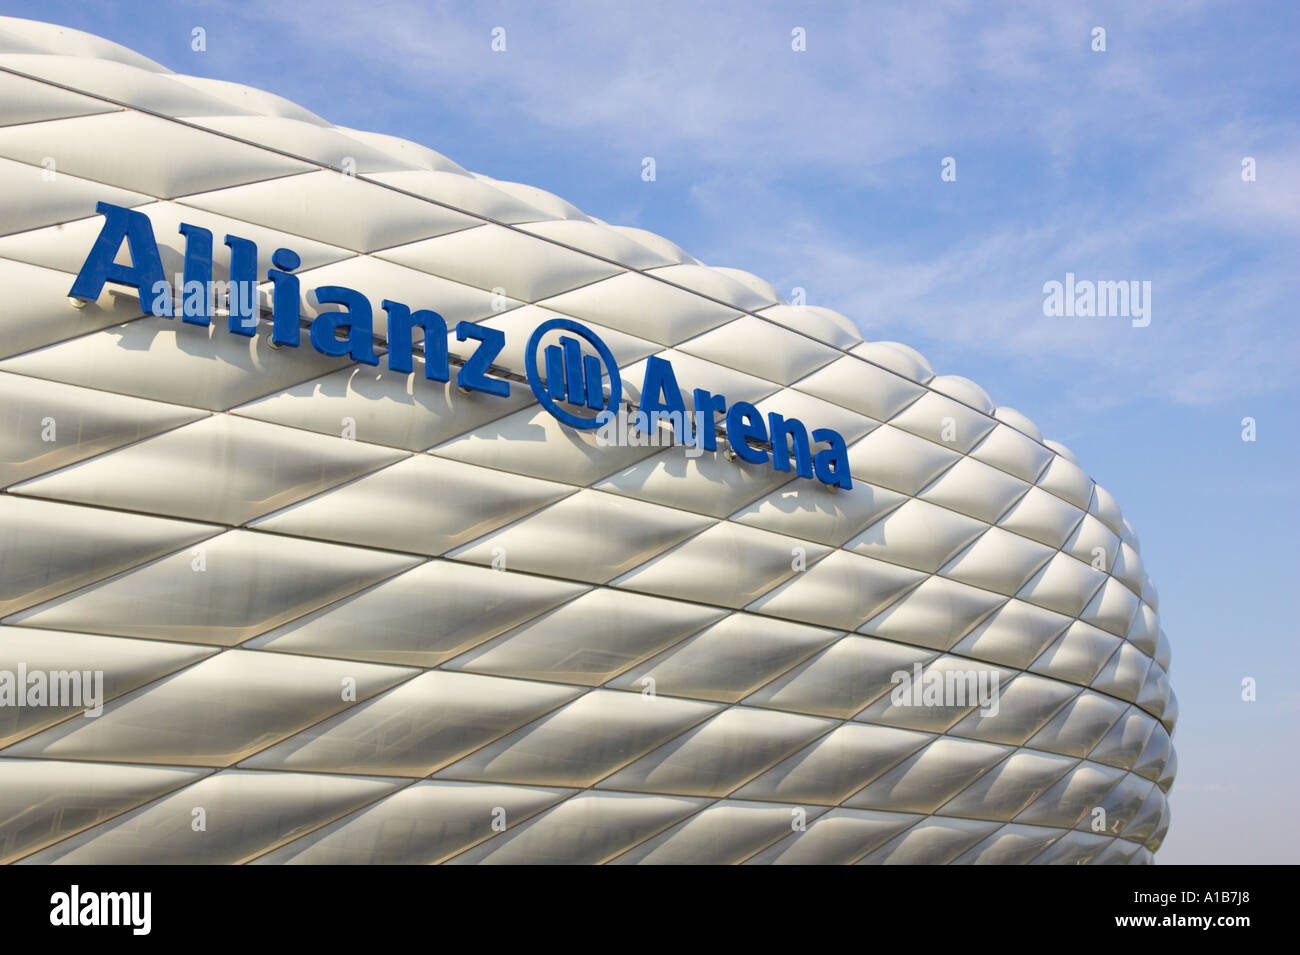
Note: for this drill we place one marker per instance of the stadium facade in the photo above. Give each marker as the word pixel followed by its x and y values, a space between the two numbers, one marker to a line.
pixel 282 582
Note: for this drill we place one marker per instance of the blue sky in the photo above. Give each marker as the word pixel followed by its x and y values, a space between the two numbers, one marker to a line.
pixel 821 169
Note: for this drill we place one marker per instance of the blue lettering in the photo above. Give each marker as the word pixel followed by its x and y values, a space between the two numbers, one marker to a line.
pixel 286 309
pixel 144 274
pixel 832 463
pixel 358 320
pixel 401 323
pixel 707 405
pixel 660 380
pixel 744 423
pixel 571 376
pixel 197 278
pixel 243 286
pixel 781 429
pixel 473 375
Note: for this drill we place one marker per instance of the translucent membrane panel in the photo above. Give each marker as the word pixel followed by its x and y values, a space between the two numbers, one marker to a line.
pixel 244 814
pixel 420 825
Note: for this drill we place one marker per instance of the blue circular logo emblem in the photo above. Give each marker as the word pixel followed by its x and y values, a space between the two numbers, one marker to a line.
pixel 571 376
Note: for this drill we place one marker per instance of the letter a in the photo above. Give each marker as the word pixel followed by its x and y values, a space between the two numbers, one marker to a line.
pixel 145 270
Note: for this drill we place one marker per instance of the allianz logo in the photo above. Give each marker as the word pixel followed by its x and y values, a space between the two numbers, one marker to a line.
pixel 567 380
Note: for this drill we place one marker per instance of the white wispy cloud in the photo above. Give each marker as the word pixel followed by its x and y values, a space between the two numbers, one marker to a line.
pixel 1132 158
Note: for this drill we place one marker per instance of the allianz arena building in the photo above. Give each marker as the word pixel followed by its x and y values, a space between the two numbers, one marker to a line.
pixel 361 509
